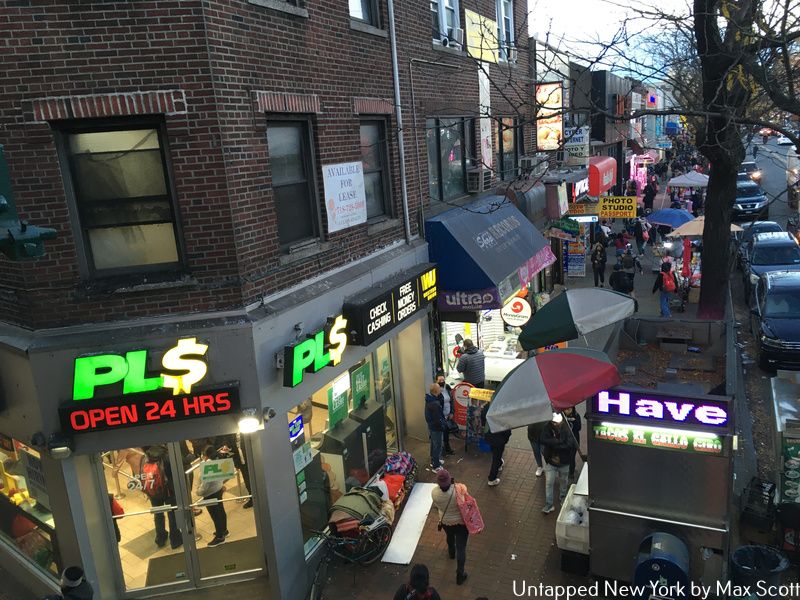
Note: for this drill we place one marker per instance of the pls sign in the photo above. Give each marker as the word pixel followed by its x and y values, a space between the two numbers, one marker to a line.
pixel 139 397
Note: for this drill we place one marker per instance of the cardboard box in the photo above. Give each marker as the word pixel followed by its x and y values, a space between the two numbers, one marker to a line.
pixel 574 538
pixel 694 295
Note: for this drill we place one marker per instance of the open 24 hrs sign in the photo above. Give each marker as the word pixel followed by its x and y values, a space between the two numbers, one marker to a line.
pixel 112 391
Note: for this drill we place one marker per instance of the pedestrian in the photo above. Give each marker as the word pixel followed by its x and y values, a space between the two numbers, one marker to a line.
pixel 434 416
pixel 557 444
pixel 638 235
pixel 574 422
pixel 155 478
pixel 497 442
pixel 446 399
pixel 666 283
pixel 471 364
pixel 451 521
pixel 211 491
pixel 631 264
pixel 599 258
pixel 619 244
pixel 74 585
pixel 418 586
pixel 605 228
pixel 697 203
pixel 649 196
pixel 755 151
pixel 534 437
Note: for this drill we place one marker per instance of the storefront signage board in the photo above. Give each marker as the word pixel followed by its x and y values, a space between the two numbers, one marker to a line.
pixel 663 439
pixel 461 398
pixel 221 469
pixel 337 400
pixel 481 34
pixel 345 200
pixel 556 346
pixel 617 207
pixel 320 349
pixel 576 144
pixel 371 316
pixel 302 457
pixel 471 300
pixel 296 428
pixel 516 312
pixel 148 408
pixel 361 384
pixel 549 115
pixel 657 408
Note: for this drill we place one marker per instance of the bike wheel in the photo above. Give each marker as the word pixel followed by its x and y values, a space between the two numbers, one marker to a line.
pixel 375 544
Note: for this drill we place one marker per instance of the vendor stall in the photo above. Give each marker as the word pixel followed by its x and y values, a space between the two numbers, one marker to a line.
pixel 662 468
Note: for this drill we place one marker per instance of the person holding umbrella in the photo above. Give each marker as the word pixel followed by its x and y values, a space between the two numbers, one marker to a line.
pixel 558 445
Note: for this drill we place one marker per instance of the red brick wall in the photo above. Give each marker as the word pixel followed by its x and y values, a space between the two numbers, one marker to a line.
pixel 223 57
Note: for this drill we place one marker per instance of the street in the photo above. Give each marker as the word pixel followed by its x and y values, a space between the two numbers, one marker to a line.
pixel 771 159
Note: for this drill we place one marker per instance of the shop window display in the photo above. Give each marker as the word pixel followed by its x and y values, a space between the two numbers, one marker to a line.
pixel 25 518
pixel 341 435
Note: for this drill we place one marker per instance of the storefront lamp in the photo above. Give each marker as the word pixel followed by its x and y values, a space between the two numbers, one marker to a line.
pixel 59 447
pixel 253 419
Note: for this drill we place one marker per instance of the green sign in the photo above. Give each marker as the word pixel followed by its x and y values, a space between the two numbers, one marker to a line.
pixel 663 439
pixel 217 470
pixel 361 384
pixel 337 400
pixel 323 348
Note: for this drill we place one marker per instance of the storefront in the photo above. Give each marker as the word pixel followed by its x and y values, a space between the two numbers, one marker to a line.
pixel 171 446
pixel 639 164
pixel 487 253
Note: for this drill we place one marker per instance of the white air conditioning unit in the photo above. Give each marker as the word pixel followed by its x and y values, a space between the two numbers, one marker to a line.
pixel 513 55
pixel 534 165
pixel 478 180
pixel 457 37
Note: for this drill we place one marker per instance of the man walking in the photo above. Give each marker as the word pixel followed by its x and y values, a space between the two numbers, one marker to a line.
pixel 557 445
pixel 434 416
pixel 631 264
pixel 497 442
pixel 446 398
pixel 535 437
pixel 666 283
pixel 599 258
pixel 471 364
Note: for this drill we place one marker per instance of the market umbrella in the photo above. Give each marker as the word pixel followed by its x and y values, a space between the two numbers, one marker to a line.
pixel 574 313
pixel 694 228
pixel 672 217
pixel 690 179
pixel 553 380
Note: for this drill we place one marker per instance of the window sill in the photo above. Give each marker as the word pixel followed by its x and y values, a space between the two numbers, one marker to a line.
pixel 281 6
pixel 453 50
pixel 135 284
pixel 381 224
pixel 309 252
pixel 357 25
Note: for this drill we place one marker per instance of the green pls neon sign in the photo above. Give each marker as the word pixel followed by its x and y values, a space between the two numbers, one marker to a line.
pixel 695 442
pixel 319 350
pixel 184 366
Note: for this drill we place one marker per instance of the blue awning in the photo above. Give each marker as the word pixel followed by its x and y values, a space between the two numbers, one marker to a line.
pixel 485 251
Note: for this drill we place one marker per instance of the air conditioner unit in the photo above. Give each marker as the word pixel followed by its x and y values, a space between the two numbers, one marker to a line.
pixel 478 180
pixel 457 37
pixel 533 165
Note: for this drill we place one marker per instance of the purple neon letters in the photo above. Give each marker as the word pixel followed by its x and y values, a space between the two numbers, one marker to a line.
pixel 684 410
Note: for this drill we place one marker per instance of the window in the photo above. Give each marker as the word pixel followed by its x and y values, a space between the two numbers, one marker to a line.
pixel 292 181
pixel 447 160
pixel 123 198
pixel 509 148
pixel 505 27
pixel 365 10
pixel 444 16
pixel 376 171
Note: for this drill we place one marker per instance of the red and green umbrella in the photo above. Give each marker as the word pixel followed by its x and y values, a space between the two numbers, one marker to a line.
pixel 553 380
pixel 574 313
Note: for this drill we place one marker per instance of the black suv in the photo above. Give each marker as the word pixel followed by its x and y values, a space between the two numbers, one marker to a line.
pixel 750 201
pixel 769 252
pixel 745 238
pixel 776 320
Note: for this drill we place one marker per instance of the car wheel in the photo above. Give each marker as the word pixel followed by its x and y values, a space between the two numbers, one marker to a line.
pixel 763 364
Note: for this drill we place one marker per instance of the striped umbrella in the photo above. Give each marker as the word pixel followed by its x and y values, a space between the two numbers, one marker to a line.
pixel 550 381
pixel 574 313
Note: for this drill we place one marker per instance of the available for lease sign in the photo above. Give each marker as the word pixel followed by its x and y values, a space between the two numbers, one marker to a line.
pixel 345 200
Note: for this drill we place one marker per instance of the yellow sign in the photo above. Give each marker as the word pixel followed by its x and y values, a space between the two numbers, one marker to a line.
pixel 428 284
pixel 481 394
pixel 481 34
pixel 559 345
pixel 617 207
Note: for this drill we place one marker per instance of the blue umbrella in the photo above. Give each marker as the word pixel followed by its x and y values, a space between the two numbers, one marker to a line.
pixel 673 217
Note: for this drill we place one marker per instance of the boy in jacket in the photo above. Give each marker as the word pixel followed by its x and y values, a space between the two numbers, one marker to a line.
pixel 434 417
pixel 667 283
pixel 557 446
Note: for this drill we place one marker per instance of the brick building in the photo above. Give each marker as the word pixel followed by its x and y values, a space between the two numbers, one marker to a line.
pixel 180 148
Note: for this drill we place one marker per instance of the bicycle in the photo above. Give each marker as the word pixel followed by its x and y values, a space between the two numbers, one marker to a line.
pixel 371 542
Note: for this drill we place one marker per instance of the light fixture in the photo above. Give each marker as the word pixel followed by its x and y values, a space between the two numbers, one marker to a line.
pixel 250 421
pixel 59 446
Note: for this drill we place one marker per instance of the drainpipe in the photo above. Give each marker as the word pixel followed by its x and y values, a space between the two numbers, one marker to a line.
pixel 401 154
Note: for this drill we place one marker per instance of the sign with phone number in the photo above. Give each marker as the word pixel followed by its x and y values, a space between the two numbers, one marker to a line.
pixel 147 409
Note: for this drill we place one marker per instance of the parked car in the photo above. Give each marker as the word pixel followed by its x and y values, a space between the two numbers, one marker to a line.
pixel 775 320
pixel 784 141
pixel 743 177
pixel 751 168
pixel 750 201
pixel 745 238
pixel 775 251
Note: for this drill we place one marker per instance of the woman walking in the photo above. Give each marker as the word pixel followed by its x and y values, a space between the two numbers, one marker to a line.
pixel 599 258
pixel 450 519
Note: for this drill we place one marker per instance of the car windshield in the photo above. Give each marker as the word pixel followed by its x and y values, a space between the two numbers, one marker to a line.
pixel 749 167
pixel 782 304
pixel 776 255
pixel 747 191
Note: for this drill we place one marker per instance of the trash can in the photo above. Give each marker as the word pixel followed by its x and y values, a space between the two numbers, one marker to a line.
pixel 663 560
pixel 752 564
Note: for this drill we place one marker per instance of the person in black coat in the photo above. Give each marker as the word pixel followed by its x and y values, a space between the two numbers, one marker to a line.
pixel 574 421
pixel 74 585
pixel 497 441
pixel 558 444
pixel 448 410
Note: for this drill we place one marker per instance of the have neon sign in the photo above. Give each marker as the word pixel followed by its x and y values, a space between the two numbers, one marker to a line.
pixel 662 408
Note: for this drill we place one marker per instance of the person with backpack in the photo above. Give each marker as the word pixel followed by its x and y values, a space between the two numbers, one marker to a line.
pixel 212 490
pixel 434 416
pixel 631 264
pixel 155 476
pixel 497 442
pixel 558 445
pixel 418 586
pixel 666 283
pixel 599 258
pixel 450 519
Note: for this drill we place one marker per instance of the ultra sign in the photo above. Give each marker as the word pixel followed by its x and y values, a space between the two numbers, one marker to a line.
pixel 323 348
pixel 661 408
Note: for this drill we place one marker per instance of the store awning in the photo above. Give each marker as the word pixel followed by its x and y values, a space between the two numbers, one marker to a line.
pixel 485 251
pixel 602 174
pixel 637 146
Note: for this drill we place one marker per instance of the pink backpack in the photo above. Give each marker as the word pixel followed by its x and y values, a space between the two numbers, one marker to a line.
pixel 469 509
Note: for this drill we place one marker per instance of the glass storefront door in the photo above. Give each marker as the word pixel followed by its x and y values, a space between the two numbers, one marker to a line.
pixel 182 513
